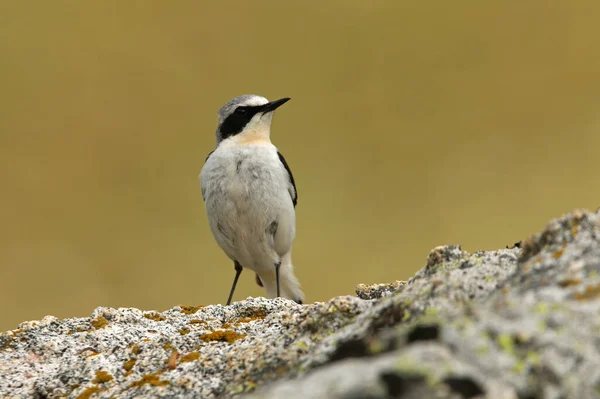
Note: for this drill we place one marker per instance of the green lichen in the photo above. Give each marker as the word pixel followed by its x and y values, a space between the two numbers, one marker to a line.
pixel 519 366
pixel 533 358
pixel 238 389
pixel 430 315
pixel 431 311
pixel 506 343
pixel 405 366
pixel 302 345
pixel 375 346
pixel 541 308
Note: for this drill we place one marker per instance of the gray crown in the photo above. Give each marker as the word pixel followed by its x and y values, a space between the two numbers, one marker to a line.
pixel 232 104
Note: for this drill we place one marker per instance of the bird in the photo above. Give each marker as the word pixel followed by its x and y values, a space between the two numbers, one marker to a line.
pixel 250 196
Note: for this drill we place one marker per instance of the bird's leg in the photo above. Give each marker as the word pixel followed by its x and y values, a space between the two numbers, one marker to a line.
pixel 277 265
pixel 238 270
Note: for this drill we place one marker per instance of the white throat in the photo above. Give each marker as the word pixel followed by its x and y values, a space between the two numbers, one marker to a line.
pixel 258 129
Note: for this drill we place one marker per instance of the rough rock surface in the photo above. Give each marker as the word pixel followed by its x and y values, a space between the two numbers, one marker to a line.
pixel 514 323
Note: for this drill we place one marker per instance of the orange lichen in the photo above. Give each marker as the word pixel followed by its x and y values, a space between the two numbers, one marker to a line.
pixel 135 349
pixel 128 365
pixel 102 377
pixel 575 230
pixel 197 321
pixel 172 363
pixel 184 331
pixel 167 346
pixel 228 336
pixel 99 322
pixel 155 316
pixel 259 314
pixel 89 392
pixel 558 254
pixel 9 340
pixel 590 292
pixel 236 322
pixel 186 309
pixel 151 379
pixel 569 281
pixel 190 357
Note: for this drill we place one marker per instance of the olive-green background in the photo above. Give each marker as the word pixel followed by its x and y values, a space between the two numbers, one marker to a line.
pixel 412 124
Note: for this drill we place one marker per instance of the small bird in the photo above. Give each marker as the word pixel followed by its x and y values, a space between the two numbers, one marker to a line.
pixel 250 195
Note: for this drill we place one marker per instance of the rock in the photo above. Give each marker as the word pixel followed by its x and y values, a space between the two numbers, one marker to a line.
pixel 513 323
pixel 376 291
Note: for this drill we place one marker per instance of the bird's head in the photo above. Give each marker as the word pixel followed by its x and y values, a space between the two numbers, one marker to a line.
pixel 247 114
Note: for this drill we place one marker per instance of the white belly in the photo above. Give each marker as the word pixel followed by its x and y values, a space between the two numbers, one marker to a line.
pixel 248 204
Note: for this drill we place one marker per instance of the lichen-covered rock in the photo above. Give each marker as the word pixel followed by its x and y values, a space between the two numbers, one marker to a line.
pixel 514 323
pixel 206 351
pixel 376 291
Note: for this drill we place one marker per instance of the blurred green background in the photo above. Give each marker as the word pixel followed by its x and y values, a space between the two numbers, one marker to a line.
pixel 412 124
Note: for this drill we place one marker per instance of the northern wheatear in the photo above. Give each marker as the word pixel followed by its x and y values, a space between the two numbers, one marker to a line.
pixel 250 196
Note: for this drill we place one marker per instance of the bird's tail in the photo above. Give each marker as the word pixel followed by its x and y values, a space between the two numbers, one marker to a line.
pixel 289 286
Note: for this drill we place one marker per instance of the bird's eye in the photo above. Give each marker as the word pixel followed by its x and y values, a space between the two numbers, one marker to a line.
pixel 241 110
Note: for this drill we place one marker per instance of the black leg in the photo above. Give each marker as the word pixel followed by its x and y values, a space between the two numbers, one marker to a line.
pixel 277 276
pixel 238 271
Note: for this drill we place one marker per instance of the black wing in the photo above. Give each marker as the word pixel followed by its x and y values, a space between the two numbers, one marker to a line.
pixel 294 195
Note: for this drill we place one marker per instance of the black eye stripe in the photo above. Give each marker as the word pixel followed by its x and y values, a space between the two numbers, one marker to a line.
pixel 236 122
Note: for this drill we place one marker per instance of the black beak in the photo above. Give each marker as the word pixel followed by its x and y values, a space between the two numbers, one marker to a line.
pixel 273 105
